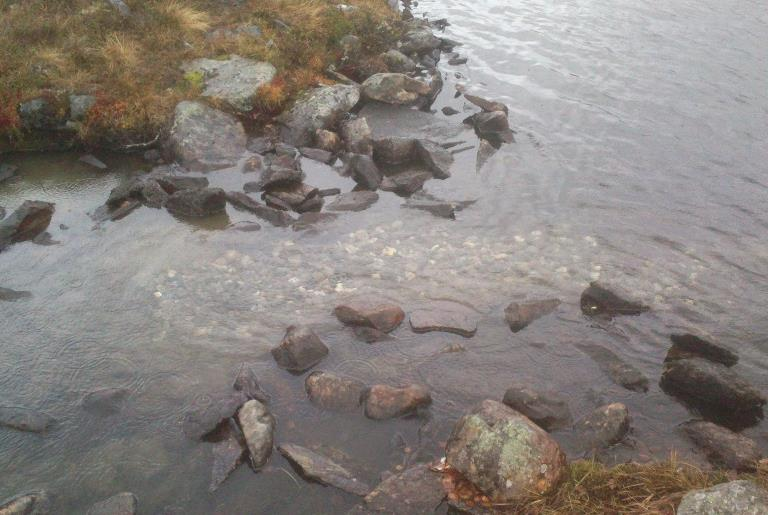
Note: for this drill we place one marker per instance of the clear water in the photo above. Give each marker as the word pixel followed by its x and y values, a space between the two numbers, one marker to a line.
pixel 640 160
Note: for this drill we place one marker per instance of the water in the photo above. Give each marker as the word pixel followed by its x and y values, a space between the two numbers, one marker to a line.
pixel 640 160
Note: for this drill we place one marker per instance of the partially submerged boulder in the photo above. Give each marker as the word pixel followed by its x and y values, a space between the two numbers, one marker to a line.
pixel 30 503
pixel 742 497
pixel 370 312
pixel 124 503
pixel 722 446
pixel 197 203
pixel 234 81
pixel 105 401
pixel 357 136
pixel 300 350
pixel 545 408
pixel 406 183
pixel 258 427
pixel 318 109
pixel 363 170
pixel 394 88
pixel 519 315
pixel 437 159
pixel 446 316
pixel 316 467
pixel 383 402
pixel 333 392
pixel 598 300
pixel 27 222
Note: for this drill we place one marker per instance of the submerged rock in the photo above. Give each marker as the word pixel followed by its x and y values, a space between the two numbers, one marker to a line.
pixel 620 371
pixel 258 427
pixel 31 503
pixel 723 447
pixel 228 454
pixel 446 316
pixel 201 421
pixel 363 170
pixel 124 503
pixel 406 183
pixel 357 136
pixel 383 402
pixel 599 300
pixel 370 335
pixel 9 295
pixel 7 172
pixel 440 209
pixel 370 312
pixel 416 491
pixel 173 183
pixel 493 127
pixel 332 392
pixel 93 161
pixel 300 350
pixel 605 426
pixel 503 453
pixel 394 88
pixel 27 222
pixel 275 175
pixel 276 217
pixel 247 383
pixel 319 468
pixel 106 401
pixel 354 201
pixel 691 346
pixel 234 81
pixel 299 197
pixel 318 109
pixel 520 314
pixel 25 419
pixel 202 138
pixel 546 409
pixel 741 497
pixel 196 203
pixel 485 150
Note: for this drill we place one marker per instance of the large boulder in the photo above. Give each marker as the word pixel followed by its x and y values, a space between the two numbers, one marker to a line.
pixel 741 497
pixel 419 41
pixel 28 221
pixel 370 312
pixel 383 402
pixel 196 203
pixel 31 503
pixel 504 454
pixel 395 88
pixel 354 201
pixel 9 295
pixel 42 114
pixel 234 81
pixel 300 350
pixel 258 427
pixel 203 138
pixel 723 447
pixel 398 62
pixel 332 392
pixel 547 409
pixel 519 315
pixel 318 109
pixel 124 503
pixel 25 419
pixel 316 467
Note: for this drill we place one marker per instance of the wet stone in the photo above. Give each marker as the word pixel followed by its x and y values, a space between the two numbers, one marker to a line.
pixel 258 427
pixel 329 192
pixel 488 106
pixel 276 217
pixel 364 171
pixel 317 109
pixel 690 346
pixel 124 503
pixel 255 163
pixel 9 295
pixel 26 222
pixel 228 454
pixel 436 208
pixel 394 150
pixel 605 426
pixel 354 201
pixel 370 335
pixel 332 392
pixel 357 136
pixel 416 491
pixel 261 145
pixel 298 197
pixel 723 447
pixel 620 371
pixel 394 88
pixel 434 157
pixel 521 314
pixel 247 383
pixel 741 497
pixel 202 420
pixel 275 176
pixel 384 402
pixel 24 419
pixel 449 111
pixel 317 154
pixel 153 195
pixel 370 312
pixel 31 503
pixel 93 161
pixel 599 300
pixel 300 350
pixel 197 203
pixel 456 61
pixel 313 220
pixel 316 467
pixel 173 183
pixel 406 183
pixel 546 409
pixel 106 401
pixel 446 316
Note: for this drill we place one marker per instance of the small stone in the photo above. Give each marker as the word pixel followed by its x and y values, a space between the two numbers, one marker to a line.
pixel 8 172
pixel 446 316
pixel 173 183
pixel 741 497
pixel 9 295
pixel 332 392
pixel 605 426
pixel 449 111
pixel 258 427
pixel 329 192
pixel 316 467
pixel 520 314
pixel 247 383
pixel 724 448
pixel 124 503
pixel 434 157
pixel 274 216
pixel 24 419
pixel 300 350
pixel 384 402
pixel 545 408
pixel 456 61
pixel 261 145
pixel 317 154
pixel 275 176
pixel 121 7
pixel 437 208
pixel 370 312
pixel 354 201
pixel 599 300
pixel 406 183
pixel 690 346
pixel 364 171
pixel 370 335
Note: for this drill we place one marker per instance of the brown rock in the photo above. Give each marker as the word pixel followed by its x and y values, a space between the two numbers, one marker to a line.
pixel 520 314
pixel 370 312
pixel 300 350
pixel 446 316
pixel 724 448
pixel 383 402
pixel 332 392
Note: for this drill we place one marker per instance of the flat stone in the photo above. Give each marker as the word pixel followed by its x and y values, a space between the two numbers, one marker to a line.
pixel 370 312
pixel 723 447
pixel 489 106
pixel 546 409
pixel 446 316
pixel 300 350
pixel 173 183
pixel 274 216
pixel 370 335
pixel 124 503
pixel 258 427
pixel 9 295
pixel 318 109
pixel 228 454
pixel 605 426
pixel 234 81
pixel 197 203
pixel 449 111
pixel 439 209
pixel 354 201
pixel 415 491
pixel 313 220
pixel 620 371
pixel 598 300
pixel 106 401
pixel 30 503
pixel 691 346
pixel 317 467
pixel 384 402
pixel 275 176
pixel 406 183
pixel 394 88
pixel 317 154
pixel 332 392
pixel 298 196
pixel 456 61
pixel 27 222
pixel 520 315
pixel 742 497
pixel 24 419
pixel 93 161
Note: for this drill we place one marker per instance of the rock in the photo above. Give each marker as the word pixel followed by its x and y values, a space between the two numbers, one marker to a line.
pixel 234 81
pixel 93 161
pixel 328 141
pixel 504 454
pixel 317 154
pixel 398 62
pixel 247 383
pixel 261 145
pixel 354 201
pixel 456 61
pixel 485 150
pixel 370 335
pixel 124 503
pixel 351 46
pixel 419 41
pixel 312 220
pixel 742 497
pixel 274 216
pixel 416 491
pixel 488 106
pixel 394 88
pixel 605 426
pixel 714 389
pixel 691 346
pixel 275 176
pixel 439 209
pixel 599 300
pixel 152 156
pixel 195 203
pixel 520 314
pixel 329 192
pixel 7 172
pixel 298 196
pixel 200 421
pixel 258 427
pixel 332 392
pixel 384 402
pixel 300 350
pixel 127 190
pixel 446 316
pixel 26 222
pixel 723 447
pixel 394 150
pixel 318 468
pixel 228 454
pixel 204 139
pixel 363 170
pixel 105 212
pixel 121 7
pixel 255 163
pixel 9 295
pixel 370 312
pixel 107 401
pixel 437 159
pixel 31 503
pixel 2 212
pixel 357 136
pixel 173 183
pixel 546 409
pixel 251 31
pixel 41 114
pixel 79 105
pixel 318 109
pixel 621 372
pixel 492 126
pixel 153 195
pixel 406 183
pixel 245 226
pixel 449 111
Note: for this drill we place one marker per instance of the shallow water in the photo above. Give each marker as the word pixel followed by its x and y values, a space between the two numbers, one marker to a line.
pixel 640 160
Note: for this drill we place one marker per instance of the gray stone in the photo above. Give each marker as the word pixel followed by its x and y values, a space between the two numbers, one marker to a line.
pixel 394 88
pixel 599 300
pixel 7 172
pixel 274 216
pixel 234 81
pixel 488 106
pixel 203 138
pixel 520 315
pixel 79 105
pixel 93 161
pixel 351 46
pixel 385 402
pixel 318 109
pixel 446 316
pixel 398 62
pixel 437 159
pixel 124 503
pixel 419 41
pixel 620 371
pixel 9 295
pixel 394 150
pixel 121 7
pixel 317 467
pixel 153 195
pixel 357 136
pixel 317 154
pixel 449 111
pixel 690 346
pixel 332 392
pixel 275 175
pixel 545 408
pixel 328 141
pixel 485 150
pixel 261 145
pixel 258 427
pixel 247 383
pixel 370 312
pixel 300 197
pixel 416 491
pixel 363 170
pixel 31 503
pixel 106 401
pixel 456 61
pixel 173 183
pixel 741 497
pixel 40 114
pixel 406 183
pixel 300 350
pixel 24 419
pixel 26 222
pixel 228 454
pixel 723 447
pixel 605 426
pixel 197 203
pixel 354 201
pixel 370 334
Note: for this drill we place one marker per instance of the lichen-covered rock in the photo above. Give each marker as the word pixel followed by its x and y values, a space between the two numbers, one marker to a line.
pixel 519 315
pixel 318 109
pixel 383 402
pixel 723 447
pixel 317 467
pixel 27 222
pixel 234 81
pixel 370 312
pixel 547 409
pixel 398 62
pixel 741 497
pixel 79 105
pixel 332 392
pixel 357 136
pixel 394 88
pixel 124 503
pixel 41 114
pixel 603 427
pixel 504 454
pixel 196 203
pixel 258 427
pixel 300 350
pixel 202 138
pixel 31 503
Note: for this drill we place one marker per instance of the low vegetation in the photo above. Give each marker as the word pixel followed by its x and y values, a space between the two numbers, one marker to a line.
pixel 131 63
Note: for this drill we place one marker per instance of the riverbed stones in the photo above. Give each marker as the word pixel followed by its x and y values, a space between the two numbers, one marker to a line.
pixel 333 392
pixel 363 170
pixel 276 217
pixel 722 446
pixel 228 454
pixel 445 316
pixel 200 421
pixel 354 201
pixel 316 467
pixel 370 312
pixel 234 81
pixel 600 300
pixel 203 138
pixel 741 497
pixel 247 383
pixel 9 295
pixel 398 62
pixel 437 159
pixel 520 315
pixel 605 426
pixel 300 350
pixel 197 203
pixel 394 88
pixel 503 453
pixel 384 402
pixel 716 390
pixel 258 426
pixel 317 109
pixel 689 346
pixel 124 503
pixel 545 408
pixel 27 222
pixel 622 373
pixel 30 503
pixel 357 136
pixel 106 401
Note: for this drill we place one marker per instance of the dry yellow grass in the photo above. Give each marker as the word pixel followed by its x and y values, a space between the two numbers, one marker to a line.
pixel 132 64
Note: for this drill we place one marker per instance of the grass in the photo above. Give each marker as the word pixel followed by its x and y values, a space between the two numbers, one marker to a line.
pixel 131 65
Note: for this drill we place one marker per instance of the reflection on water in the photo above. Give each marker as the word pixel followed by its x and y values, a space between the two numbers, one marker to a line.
pixel 640 160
